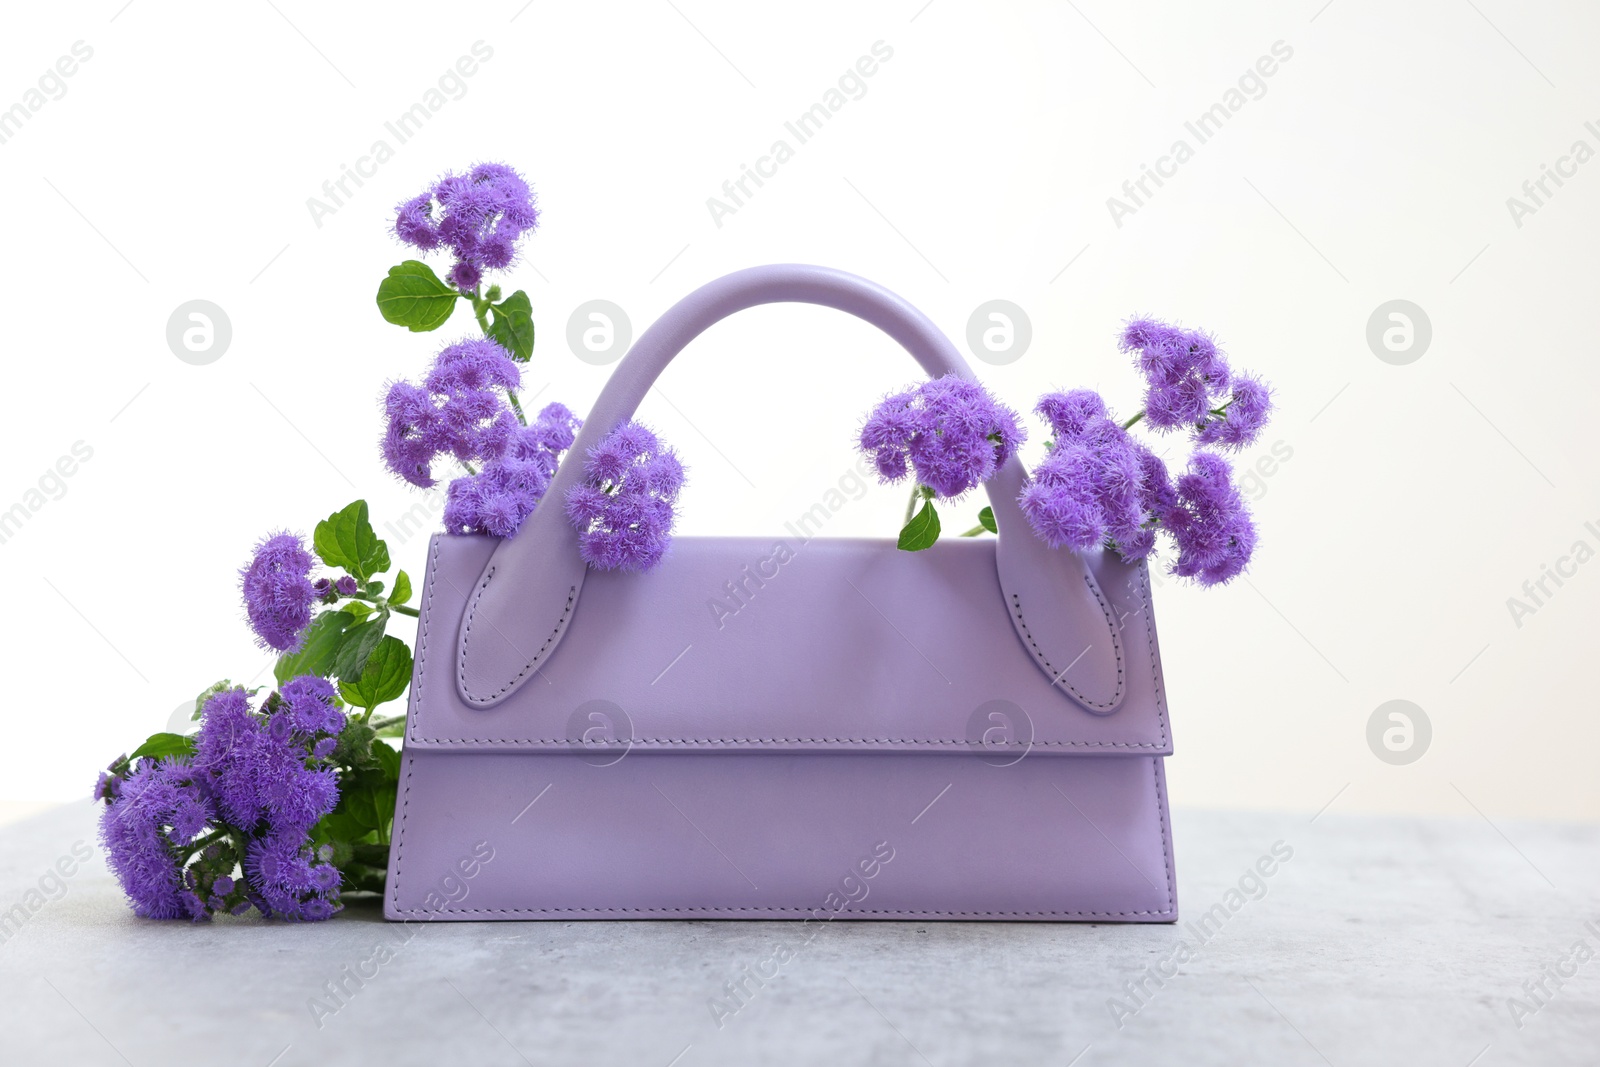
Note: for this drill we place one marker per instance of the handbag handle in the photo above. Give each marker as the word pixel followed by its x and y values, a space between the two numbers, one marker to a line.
pixel 519 609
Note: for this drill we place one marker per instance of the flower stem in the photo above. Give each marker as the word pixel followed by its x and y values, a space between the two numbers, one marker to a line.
pixel 516 405
pixel 386 721
pixel 911 505
pixel 405 609
pixel 1133 421
pixel 976 530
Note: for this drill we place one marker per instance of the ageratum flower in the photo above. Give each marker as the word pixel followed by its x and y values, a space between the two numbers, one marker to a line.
pixel 625 507
pixel 480 216
pixel 1210 522
pixel 278 592
pixel 949 431
pixel 498 498
pixel 1243 417
pixel 1183 369
pixel 157 809
pixel 456 411
pixel 1089 487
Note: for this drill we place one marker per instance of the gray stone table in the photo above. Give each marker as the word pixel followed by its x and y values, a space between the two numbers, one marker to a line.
pixel 1380 941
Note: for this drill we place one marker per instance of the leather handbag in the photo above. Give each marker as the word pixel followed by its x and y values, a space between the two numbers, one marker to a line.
pixel 973 731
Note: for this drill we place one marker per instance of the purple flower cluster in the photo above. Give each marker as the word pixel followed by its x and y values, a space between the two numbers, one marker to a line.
pixel 1210 522
pixel 1188 383
pixel 176 829
pixel 278 592
pixel 1090 487
pixel 624 509
pixel 479 216
pixel 1099 484
pixel 1183 370
pixel 455 411
pixel 498 498
pixel 950 431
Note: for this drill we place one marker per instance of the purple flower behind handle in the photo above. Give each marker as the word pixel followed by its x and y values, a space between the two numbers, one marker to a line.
pixel 624 509
pixel 278 592
pixel 949 431
pixel 500 497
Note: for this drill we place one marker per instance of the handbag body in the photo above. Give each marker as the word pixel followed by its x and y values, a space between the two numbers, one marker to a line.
pixel 793 727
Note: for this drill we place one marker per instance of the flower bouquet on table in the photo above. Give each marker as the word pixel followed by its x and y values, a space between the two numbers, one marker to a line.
pixel 281 798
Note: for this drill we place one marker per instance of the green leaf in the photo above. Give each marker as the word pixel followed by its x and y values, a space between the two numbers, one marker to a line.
pixel 356 646
pixel 318 649
pixel 413 296
pixel 986 520
pixel 361 804
pixel 159 746
pixel 511 323
pixel 388 758
pixel 922 530
pixel 358 608
pixel 385 675
pixel 347 540
pixel 374 587
pixel 402 588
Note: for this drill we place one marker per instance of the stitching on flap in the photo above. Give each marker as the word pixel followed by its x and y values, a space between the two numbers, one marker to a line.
pixel 422 666
pixel 405 801
pixel 466 638
pixel 1116 648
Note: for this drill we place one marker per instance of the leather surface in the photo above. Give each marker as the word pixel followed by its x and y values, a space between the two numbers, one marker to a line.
pixel 672 761
pixel 827 644
pixel 763 835
pixel 532 589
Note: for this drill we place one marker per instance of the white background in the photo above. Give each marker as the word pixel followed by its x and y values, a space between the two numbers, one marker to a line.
pixel 1376 166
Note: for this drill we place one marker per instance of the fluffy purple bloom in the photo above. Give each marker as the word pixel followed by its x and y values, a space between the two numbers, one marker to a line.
pixel 1243 417
pixel 311 705
pixel 624 509
pixel 498 498
pixel 278 593
pixel 1183 369
pixel 950 431
pixel 480 216
pixel 1089 487
pixel 455 411
pixel 158 809
pixel 1210 522
pixel 260 767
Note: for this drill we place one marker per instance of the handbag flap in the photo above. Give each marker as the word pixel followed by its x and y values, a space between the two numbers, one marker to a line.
pixel 789 644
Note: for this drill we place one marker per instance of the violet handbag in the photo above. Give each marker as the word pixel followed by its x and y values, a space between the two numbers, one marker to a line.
pixel 974 731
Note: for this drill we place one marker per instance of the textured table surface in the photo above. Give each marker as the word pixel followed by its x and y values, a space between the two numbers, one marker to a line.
pixel 1380 941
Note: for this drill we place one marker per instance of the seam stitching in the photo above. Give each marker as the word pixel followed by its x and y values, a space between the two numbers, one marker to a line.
pixel 1116 648
pixel 466 639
